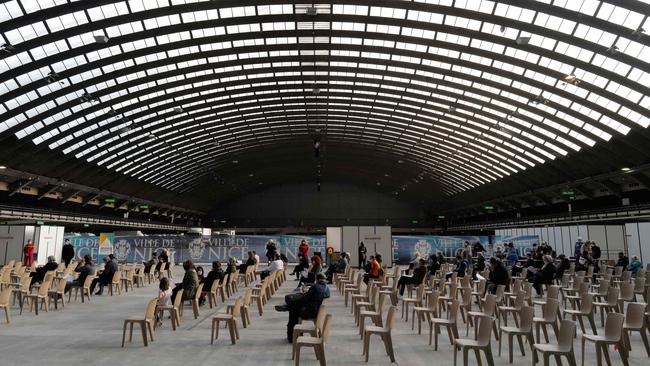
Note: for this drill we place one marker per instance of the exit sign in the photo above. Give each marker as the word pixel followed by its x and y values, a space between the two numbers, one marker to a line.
pixel 109 200
pixel 488 207
pixel 40 222
pixel 86 225
pixel 143 206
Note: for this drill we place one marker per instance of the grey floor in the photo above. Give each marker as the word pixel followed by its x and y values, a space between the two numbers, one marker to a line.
pixel 91 333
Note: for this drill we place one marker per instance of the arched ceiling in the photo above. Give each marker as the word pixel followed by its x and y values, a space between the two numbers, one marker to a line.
pixel 466 92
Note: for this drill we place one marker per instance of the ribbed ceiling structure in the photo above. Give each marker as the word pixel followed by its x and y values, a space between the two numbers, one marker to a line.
pixel 466 91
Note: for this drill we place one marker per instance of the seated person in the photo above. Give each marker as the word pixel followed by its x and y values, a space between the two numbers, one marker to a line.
pixel 249 262
pixel 151 264
pixel 498 275
pixel 315 269
pixel 304 306
pixel 216 274
pixel 419 272
pixel 276 265
pixel 623 261
pixel 461 267
pixel 374 271
pixel 338 267
pixel 40 272
pixel 584 262
pixel 85 269
pixel 434 265
pixel 303 263
pixel 544 276
pixel 564 265
pixel 106 277
pixel 190 282
pixel 635 265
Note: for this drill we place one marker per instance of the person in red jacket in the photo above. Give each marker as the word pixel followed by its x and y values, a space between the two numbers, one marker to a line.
pixel 29 253
pixel 303 248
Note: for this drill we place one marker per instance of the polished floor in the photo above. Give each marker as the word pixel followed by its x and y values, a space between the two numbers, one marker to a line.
pixel 91 333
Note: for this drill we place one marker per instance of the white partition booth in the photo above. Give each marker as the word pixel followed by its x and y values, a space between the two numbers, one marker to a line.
pixel 377 239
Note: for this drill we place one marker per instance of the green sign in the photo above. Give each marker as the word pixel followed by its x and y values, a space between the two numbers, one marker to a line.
pixel 86 225
pixel 222 221
pixel 441 216
pixel 144 206
pixel 40 222
pixel 568 192
pixel 488 207
pixel 414 221
pixel 109 200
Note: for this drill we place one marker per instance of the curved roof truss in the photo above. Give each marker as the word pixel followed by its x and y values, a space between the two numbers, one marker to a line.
pixel 452 86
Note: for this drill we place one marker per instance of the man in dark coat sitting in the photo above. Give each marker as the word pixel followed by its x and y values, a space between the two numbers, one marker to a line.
pixel 305 305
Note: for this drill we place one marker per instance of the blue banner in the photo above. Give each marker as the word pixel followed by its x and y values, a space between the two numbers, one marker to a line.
pixel 206 249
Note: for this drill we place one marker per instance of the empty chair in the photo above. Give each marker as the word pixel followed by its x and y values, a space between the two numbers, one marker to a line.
pixel 525 330
pixel 586 310
pixel 212 295
pixel 515 309
pixel 57 293
pixel 489 310
pixel 634 322
pixel 116 281
pixel 316 341
pixel 549 310
pixel 450 324
pixel 416 301
pixel 639 286
pixel 429 311
pixel 610 304
pixel 564 347
pixel 613 335
pixel 482 342
pixel 230 320
pixel 553 292
pixel 626 294
pixel 4 302
pixel 42 295
pixel 260 295
pixel 146 324
pixel 375 314
pixel 385 334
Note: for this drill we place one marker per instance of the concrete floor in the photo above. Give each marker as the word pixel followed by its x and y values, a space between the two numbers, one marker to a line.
pixel 91 333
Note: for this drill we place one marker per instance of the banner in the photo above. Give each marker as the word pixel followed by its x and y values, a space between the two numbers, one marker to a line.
pixel 206 249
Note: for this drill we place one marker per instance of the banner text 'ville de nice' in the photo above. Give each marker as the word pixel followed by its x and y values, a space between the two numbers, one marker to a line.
pixel 207 249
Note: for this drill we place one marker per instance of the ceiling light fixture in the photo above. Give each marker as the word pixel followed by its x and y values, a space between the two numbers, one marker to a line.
pixel 626 169
pixel 2 167
pixel 235 161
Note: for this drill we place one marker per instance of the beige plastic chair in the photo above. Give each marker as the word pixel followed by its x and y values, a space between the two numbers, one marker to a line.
pixel 230 320
pixel 514 310
pixel 549 311
pixel 613 335
pixel 169 268
pixel 212 295
pixel 577 296
pixel 312 328
pixel 363 301
pixel 127 279
pixel 5 295
pixel 374 314
pixel 611 303
pixel 564 347
pixel 350 289
pixel 318 342
pixel 385 334
pixel 525 330
pixel 194 302
pixel 450 324
pixel 489 309
pixel 42 295
pixel 603 286
pixel 626 294
pixel 586 311
pixel 552 292
pixel 481 343
pixel 260 295
pixel 634 322
pixel 416 301
pixel 84 289
pixel 146 324
pixel 58 292
pixel 428 312
pixel 174 310
pixel 22 288
pixel 478 293
pixel 117 276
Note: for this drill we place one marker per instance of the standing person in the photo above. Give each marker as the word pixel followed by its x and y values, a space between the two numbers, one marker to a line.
pixel 477 248
pixel 303 248
pixel 29 253
pixel 67 252
pixel 362 255
pixel 513 255
pixel 578 249
pixel 271 249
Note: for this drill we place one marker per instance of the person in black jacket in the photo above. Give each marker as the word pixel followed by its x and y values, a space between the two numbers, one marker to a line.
pixel 623 261
pixel 498 275
pixel 419 272
pixel 544 276
pixel 304 306
pixel 564 265
pixel 106 277
pixel 67 252
pixel 40 272
pixel 461 267
pixel 85 269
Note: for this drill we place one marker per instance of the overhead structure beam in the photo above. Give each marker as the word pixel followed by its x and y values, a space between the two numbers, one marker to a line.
pixel 47 190
pixel 18 186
